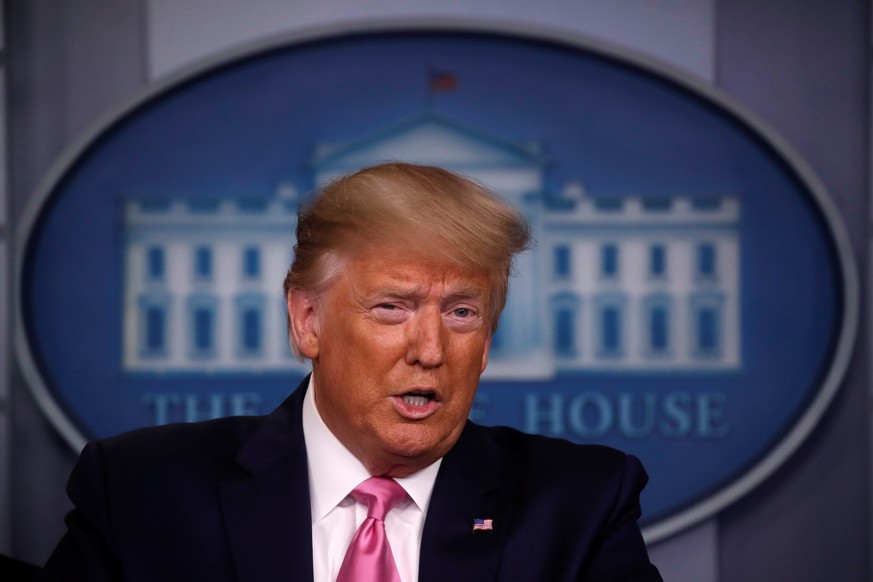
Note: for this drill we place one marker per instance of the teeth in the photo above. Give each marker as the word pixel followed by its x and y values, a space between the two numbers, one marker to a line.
pixel 414 400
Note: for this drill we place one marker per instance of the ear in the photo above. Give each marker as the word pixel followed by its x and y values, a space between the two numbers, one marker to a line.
pixel 485 350
pixel 302 311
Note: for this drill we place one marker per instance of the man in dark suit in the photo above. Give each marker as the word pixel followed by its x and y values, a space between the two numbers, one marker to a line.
pixel 399 277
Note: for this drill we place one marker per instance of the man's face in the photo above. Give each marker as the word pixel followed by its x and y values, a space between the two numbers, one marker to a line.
pixel 397 344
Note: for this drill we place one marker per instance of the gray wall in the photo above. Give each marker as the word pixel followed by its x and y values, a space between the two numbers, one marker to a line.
pixel 801 65
pixel 67 63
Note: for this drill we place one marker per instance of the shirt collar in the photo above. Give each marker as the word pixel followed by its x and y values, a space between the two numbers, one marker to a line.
pixel 334 471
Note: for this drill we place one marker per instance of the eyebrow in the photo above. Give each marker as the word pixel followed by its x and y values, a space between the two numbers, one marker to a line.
pixel 395 292
pixel 470 291
pixel 463 291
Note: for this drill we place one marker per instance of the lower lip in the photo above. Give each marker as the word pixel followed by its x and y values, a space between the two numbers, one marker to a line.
pixel 412 412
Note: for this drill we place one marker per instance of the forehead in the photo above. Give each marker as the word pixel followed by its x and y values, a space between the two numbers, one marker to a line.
pixel 395 269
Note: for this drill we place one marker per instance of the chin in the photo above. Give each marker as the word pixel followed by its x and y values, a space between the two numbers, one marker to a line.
pixel 411 450
pixel 413 444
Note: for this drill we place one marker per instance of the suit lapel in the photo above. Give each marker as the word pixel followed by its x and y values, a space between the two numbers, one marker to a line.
pixel 469 486
pixel 266 512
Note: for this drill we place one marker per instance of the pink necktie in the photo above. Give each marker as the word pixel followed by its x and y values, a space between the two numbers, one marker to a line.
pixel 369 557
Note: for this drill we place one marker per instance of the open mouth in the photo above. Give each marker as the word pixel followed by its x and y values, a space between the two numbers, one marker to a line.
pixel 417 404
pixel 418 398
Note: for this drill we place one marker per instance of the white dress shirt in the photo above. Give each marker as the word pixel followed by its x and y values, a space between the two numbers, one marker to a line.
pixel 333 473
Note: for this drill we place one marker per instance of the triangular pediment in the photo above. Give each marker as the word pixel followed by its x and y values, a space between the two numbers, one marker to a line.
pixel 428 138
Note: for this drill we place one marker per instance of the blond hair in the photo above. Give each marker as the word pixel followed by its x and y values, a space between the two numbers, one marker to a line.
pixel 425 208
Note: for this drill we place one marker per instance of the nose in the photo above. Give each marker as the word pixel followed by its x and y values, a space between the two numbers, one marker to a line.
pixel 425 341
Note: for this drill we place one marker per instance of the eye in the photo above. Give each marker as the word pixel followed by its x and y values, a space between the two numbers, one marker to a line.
pixel 463 318
pixel 463 312
pixel 389 312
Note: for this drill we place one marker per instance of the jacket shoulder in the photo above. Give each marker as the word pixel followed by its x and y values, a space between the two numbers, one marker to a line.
pixel 193 447
pixel 549 460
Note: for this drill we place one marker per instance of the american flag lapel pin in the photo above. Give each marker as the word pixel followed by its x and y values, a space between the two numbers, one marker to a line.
pixel 483 524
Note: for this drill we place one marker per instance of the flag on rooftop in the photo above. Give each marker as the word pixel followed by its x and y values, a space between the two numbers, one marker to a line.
pixel 441 81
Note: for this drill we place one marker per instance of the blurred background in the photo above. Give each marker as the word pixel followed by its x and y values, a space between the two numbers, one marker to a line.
pixel 801 66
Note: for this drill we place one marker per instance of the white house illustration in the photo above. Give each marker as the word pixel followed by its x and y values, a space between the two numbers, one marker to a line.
pixel 203 282
pixel 624 284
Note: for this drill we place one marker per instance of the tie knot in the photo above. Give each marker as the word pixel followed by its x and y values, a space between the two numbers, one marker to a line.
pixel 380 495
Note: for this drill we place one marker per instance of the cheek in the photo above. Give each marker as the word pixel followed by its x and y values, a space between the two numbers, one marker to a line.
pixel 472 354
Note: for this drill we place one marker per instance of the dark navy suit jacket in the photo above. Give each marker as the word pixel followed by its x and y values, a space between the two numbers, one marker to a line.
pixel 229 500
